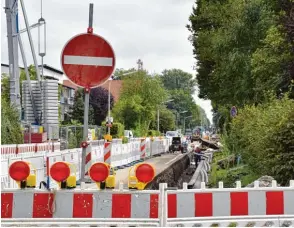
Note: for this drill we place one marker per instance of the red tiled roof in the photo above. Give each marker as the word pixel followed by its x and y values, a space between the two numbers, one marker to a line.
pixel 115 88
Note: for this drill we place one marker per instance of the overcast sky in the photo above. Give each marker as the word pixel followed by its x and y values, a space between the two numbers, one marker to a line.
pixel 152 30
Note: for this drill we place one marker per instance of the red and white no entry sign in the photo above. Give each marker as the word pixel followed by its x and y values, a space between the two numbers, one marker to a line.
pixel 88 60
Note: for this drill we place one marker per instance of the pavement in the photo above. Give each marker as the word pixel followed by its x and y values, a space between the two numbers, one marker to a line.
pixel 160 163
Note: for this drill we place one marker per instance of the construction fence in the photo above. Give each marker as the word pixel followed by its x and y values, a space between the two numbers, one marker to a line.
pixel 72 136
pixel 42 156
pixel 267 206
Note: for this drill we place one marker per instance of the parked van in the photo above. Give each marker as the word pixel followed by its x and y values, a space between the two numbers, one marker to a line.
pixel 128 134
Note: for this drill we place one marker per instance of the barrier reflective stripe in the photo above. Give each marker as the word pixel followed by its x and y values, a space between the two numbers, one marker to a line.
pixel 226 203
pixel 107 152
pixel 27 148
pixel 88 159
pixel 143 148
pixel 79 205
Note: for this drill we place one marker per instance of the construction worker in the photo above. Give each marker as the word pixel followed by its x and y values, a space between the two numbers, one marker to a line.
pixel 197 155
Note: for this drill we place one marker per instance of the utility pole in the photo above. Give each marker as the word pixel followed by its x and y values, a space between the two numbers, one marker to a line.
pixel 157 119
pixel 140 64
pixel 108 121
pixel 11 10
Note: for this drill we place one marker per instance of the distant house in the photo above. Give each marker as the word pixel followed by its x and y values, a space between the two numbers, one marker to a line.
pixel 115 88
pixel 5 69
pixel 67 97
pixel 52 73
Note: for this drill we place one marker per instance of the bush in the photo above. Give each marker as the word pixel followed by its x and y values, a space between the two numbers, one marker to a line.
pixel 116 131
pixel 125 140
pixel 153 133
pixel 75 137
pixel 264 135
pixel 11 132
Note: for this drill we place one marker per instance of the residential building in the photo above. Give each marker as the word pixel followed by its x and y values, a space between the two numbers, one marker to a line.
pixel 68 88
pixel 67 97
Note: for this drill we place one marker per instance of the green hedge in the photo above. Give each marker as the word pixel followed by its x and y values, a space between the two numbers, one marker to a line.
pixel 153 133
pixel 117 129
pixel 264 135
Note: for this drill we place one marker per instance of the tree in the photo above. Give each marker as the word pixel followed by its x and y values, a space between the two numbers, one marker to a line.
pixel 99 103
pixel 166 121
pixel 11 132
pixel 98 106
pixel 242 51
pixel 181 87
pixel 141 95
pixel 176 79
pixel 5 84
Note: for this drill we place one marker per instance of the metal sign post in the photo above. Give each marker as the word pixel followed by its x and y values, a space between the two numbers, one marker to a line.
pixel 88 60
pixel 86 111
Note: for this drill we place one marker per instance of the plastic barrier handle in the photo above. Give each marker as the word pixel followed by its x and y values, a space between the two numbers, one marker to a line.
pixel 113 171
pixel 34 169
pixel 74 166
pixel 130 171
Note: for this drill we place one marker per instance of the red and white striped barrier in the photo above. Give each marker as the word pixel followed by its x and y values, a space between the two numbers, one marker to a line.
pixel 165 204
pixel 230 202
pixel 15 150
pixel 26 148
pixel 88 159
pixel 79 204
pixel 9 151
pixel 143 149
pixel 107 152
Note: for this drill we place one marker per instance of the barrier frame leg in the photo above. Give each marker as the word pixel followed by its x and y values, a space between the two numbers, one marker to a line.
pixel 162 205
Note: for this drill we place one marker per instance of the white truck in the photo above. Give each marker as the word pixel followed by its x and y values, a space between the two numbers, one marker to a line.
pixel 128 134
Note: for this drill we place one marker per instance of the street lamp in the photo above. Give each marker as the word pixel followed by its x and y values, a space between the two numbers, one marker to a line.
pixel 42 37
pixel 158 112
pixel 109 82
pixel 185 122
pixel 182 113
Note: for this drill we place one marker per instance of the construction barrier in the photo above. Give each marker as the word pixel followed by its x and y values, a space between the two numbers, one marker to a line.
pixel 79 204
pixel 117 155
pixel 182 207
pixel 240 202
pixel 38 162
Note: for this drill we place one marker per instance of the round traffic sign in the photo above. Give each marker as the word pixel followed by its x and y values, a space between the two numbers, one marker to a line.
pixel 99 172
pixel 19 170
pixel 88 60
pixel 59 171
pixel 145 173
pixel 234 111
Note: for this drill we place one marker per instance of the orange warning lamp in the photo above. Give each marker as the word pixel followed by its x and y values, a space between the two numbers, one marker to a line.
pixel 144 173
pixel 59 172
pixel 20 172
pixel 99 172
